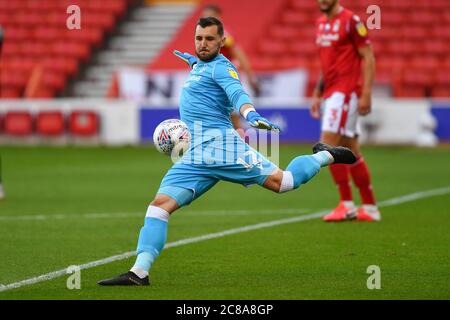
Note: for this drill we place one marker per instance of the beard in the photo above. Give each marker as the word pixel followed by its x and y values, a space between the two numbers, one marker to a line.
pixel 328 8
pixel 207 55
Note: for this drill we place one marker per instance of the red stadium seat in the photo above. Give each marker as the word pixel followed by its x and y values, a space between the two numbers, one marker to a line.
pixel 423 18
pixel 5 19
pixel 401 5
pixel 45 33
pixel 392 63
pixel 438 5
pixel 305 6
pixel 99 20
pixel 356 6
pixel 83 123
pixel 45 93
pixel 441 92
pixel 53 80
pixel 28 18
pixel 306 48
pixel 18 123
pixel 387 34
pixel 413 32
pixel 39 5
pixel 118 7
pixel 115 7
pixel 10 6
pixel 290 62
pixel 10 92
pixel 14 64
pixel 272 47
pixel 63 65
pixel 76 50
pixel 417 77
pixel 93 36
pixel 17 34
pixel 442 83
pixel 440 33
pixel 296 18
pixel 56 18
pixel 428 62
pixel 264 63
pixel 36 49
pixel 35 32
pixel 50 123
pixel 293 61
pixel 403 48
pixel 394 18
pixel 446 63
pixel 437 47
pixel 13 79
pixel 416 83
pixel 284 32
pixel 11 49
pixel 409 91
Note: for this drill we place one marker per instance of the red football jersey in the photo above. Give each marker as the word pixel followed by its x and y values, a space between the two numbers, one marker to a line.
pixel 338 40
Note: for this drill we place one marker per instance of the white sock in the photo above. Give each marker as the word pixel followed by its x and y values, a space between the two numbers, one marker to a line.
pixel 370 208
pixel 324 157
pixel 287 182
pixel 141 273
pixel 349 204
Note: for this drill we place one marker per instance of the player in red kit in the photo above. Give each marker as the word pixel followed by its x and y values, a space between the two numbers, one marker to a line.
pixel 339 99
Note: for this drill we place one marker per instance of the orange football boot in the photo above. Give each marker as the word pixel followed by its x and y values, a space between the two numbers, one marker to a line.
pixel 368 215
pixel 341 213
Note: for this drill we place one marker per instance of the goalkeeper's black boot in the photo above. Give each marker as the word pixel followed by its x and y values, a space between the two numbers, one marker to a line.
pixel 126 279
pixel 340 154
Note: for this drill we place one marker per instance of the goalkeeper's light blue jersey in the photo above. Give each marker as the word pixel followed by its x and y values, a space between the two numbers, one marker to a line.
pixel 209 95
pixel 217 152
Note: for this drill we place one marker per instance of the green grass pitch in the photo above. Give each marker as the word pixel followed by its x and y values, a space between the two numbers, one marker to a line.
pixel 73 205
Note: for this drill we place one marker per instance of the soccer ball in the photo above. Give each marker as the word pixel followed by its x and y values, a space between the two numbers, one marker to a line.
pixel 172 137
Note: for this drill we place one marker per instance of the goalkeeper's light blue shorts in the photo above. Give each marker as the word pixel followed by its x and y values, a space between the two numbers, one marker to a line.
pixel 202 166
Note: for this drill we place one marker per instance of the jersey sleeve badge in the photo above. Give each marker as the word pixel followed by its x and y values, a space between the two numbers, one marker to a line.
pixel 361 29
pixel 233 73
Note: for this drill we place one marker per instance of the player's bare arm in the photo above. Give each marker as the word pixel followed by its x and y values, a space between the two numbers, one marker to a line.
pixel 365 100
pixel 316 99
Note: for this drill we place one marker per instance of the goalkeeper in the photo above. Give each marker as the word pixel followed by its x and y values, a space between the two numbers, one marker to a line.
pixel 209 95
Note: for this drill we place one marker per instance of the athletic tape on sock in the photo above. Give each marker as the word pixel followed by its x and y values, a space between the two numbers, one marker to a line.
pixel 287 182
pixel 158 213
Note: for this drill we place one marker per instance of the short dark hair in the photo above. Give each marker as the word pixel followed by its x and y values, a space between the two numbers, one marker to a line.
pixel 211 21
pixel 213 7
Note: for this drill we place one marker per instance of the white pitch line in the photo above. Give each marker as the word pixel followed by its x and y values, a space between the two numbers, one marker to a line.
pixel 120 215
pixel 59 273
pixel 415 196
